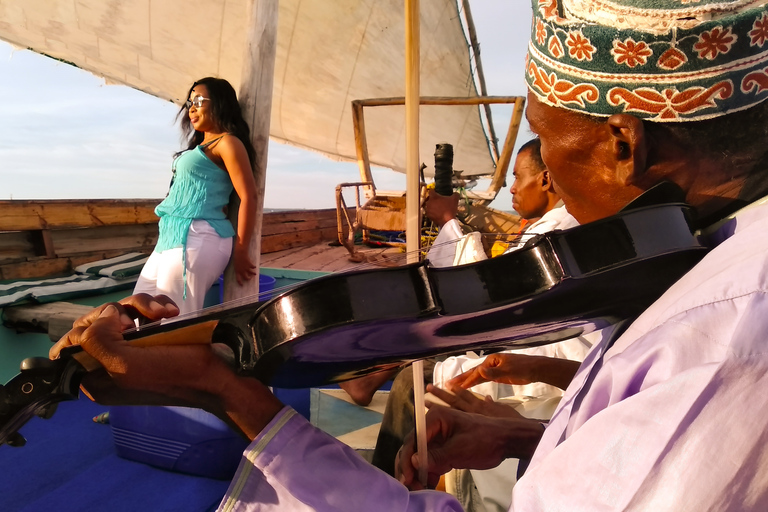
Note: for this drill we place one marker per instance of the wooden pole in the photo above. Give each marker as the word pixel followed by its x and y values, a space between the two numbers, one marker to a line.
pixel 255 97
pixel 412 201
pixel 412 89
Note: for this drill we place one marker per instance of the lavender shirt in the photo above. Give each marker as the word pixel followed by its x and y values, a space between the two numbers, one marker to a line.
pixel 674 416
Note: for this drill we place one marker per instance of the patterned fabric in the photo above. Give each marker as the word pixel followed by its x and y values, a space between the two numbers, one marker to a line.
pixel 55 289
pixel 662 60
pixel 121 267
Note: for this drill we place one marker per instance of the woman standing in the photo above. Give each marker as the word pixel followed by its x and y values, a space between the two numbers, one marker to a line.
pixel 195 241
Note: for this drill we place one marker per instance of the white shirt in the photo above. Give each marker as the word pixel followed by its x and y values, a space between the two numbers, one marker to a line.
pixel 675 419
pixel 451 240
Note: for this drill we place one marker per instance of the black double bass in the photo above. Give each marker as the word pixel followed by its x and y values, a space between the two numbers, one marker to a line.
pixel 341 326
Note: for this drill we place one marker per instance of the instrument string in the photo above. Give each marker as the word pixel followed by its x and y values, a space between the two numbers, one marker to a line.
pixel 391 260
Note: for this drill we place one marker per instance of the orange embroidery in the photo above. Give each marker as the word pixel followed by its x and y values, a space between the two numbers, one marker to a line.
pixel 548 9
pixel 670 103
pixel 630 52
pixel 579 46
pixel 541 32
pixel 757 80
pixel 561 91
pixel 555 47
pixel 714 42
pixel 672 59
pixel 759 32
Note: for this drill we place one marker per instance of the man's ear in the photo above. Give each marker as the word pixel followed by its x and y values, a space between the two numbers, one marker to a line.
pixel 630 149
pixel 546 181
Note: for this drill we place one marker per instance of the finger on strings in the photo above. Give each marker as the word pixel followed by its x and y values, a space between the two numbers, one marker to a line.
pixel 88 319
pixel 148 308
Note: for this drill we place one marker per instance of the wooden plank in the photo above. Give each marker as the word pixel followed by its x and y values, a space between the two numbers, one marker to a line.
pixel 439 100
pixel 280 242
pixel 51 214
pixel 35 268
pixel 55 318
pixel 297 226
pixel 127 238
pixel 46 267
pixel 295 258
pixel 295 215
pixel 16 246
pixel 48 249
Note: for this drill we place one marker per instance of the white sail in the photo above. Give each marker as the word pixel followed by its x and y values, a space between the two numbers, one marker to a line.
pixel 329 52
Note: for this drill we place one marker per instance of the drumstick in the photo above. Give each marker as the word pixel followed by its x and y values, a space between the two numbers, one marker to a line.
pixel 420 418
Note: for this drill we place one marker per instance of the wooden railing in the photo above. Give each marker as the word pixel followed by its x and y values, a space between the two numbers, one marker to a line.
pixel 50 237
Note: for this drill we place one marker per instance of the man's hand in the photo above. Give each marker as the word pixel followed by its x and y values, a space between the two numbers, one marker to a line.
pixel 189 375
pixel 456 439
pixel 134 374
pixel 463 400
pixel 518 369
pixel 441 209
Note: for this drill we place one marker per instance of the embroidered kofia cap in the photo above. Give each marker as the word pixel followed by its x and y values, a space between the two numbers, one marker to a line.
pixel 661 60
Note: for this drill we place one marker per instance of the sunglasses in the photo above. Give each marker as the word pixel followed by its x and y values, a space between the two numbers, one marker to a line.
pixel 197 101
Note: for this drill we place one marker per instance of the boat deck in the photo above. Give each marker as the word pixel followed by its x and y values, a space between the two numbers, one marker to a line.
pixel 330 257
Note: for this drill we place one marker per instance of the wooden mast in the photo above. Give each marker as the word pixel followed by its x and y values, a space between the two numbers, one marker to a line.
pixel 255 97
pixel 412 200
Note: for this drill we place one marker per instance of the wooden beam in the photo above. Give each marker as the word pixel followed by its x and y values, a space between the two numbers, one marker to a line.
pixel 502 161
pixel 502 166
pixel 439 100
pixel 20 215
pixel 361 145
pixel 256 101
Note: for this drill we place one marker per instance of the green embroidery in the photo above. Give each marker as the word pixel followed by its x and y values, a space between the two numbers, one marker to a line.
pixel 663 60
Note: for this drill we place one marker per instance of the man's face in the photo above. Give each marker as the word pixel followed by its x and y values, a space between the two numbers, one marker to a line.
pixel 579 154
pixel 529 194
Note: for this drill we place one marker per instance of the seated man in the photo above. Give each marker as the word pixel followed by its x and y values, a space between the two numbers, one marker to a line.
pixel 672 414
pixel 535 199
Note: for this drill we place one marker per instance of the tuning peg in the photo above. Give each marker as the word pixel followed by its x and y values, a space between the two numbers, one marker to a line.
pixel 32 364
pixel 16 440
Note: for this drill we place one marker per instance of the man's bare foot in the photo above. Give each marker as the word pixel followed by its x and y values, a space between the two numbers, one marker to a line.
pixel 361 390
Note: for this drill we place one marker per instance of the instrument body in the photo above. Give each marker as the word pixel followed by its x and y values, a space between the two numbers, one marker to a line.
pixel 559 285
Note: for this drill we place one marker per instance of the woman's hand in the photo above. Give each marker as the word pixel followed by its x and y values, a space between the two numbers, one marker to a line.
pixel 518 369
pixel 456 439
pixel 244 268
pixel 235 158
pixel 463 400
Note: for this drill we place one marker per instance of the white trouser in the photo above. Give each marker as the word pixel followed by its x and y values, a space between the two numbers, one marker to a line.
pixel 207 257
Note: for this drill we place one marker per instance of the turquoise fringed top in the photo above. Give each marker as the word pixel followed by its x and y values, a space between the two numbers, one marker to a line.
pixel 199 190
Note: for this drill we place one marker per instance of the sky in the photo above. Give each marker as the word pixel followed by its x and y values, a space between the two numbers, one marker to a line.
pixel 65 134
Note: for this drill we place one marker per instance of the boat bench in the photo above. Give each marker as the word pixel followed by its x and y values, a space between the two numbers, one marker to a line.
pixel 103 276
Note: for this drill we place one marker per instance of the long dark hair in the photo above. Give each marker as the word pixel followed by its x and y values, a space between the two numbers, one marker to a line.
pixel 225 110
